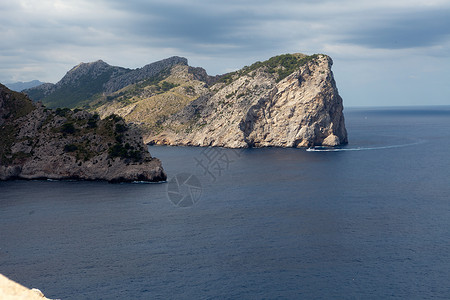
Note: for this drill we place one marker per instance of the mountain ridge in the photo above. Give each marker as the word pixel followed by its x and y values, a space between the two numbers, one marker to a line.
pixel 93 79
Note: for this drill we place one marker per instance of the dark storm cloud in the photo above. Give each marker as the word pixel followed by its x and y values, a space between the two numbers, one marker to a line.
pixel 393 31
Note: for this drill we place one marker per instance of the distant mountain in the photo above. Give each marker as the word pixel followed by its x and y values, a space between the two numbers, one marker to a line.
pixel 20 86
pixel 88 82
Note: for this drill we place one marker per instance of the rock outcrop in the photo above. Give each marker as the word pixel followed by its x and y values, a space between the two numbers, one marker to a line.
pixel 40 143
pixel 10 290
pixel 263 105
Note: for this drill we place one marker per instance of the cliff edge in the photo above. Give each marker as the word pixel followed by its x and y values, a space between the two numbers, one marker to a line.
pixel 40 143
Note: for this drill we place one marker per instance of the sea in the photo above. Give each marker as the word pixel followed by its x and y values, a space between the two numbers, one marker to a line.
pixel 369 220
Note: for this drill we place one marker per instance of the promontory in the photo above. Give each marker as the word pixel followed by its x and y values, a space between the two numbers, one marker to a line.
pixel 290 100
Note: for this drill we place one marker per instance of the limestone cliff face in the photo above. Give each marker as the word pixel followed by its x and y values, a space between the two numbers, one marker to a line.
pixel 260 106
pixel 39 143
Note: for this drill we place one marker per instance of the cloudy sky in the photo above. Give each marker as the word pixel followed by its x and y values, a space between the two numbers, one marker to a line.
pixel 385 52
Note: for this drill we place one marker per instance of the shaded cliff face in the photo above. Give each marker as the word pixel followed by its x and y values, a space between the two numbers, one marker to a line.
pixel 288 101
pixel 36 142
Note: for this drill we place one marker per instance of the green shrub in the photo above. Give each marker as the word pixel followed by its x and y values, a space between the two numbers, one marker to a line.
pixel 121 128
pixel 135 155
pixel 227 78
pixel 166 86
pixel 119 138
pixel 118 150
pixel 189 89
pixel 70 148
pixel 282 65
pixel 62 112
pixel 228 96
pixel 68 128
pixel 114 117
pixel 92 123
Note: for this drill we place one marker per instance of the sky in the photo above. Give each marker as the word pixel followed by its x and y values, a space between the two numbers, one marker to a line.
pixel 385 52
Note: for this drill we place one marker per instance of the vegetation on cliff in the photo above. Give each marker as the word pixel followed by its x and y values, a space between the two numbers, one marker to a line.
pixel 281 66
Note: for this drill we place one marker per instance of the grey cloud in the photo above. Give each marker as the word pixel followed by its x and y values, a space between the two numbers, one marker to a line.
pixel 193 26
pixel 237 24
pixel 418 29
pixel 218 35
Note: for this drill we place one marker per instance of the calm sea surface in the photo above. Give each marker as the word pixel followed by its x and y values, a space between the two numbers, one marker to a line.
pixel 369 221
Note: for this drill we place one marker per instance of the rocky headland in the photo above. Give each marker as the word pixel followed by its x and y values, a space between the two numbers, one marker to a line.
pixel 41 143
pixel 290 100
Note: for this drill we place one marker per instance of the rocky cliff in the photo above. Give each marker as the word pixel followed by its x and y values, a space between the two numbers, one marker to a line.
pixel 287 101
pixel 38 143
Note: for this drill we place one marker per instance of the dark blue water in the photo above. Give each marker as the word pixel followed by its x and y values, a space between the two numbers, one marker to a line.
pixel 370 221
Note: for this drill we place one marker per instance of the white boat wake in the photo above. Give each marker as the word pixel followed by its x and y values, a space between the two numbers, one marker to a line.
pixel 322 149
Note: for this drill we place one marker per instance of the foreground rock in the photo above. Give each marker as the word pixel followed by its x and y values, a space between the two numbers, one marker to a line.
pixel 39 143
pixel 287 101
pixel 10 290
